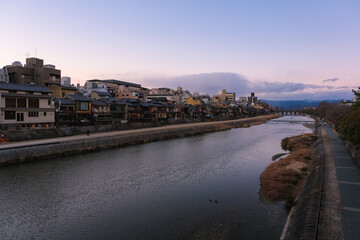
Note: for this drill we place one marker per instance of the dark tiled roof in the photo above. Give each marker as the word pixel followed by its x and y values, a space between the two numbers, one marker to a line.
pixel 103 94
pixel 146 104
pixel 64 101
pixel 136 101
pixel 130 104
pixel 79 98
pixel 27 95
pixel 158 104
pixel 108 100
pixel 68 87
pixel 120 102
pixel 98 103
pixel 21 87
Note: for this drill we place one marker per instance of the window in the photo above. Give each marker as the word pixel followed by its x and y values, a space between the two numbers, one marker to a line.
pixel 49 102
pixel 84 106
pixel 33 114
pixel 9 115
pixel 10 102
pixel 12 76
pixel 44 114
pixel 33 103
pixel 20 117
pixel 21 102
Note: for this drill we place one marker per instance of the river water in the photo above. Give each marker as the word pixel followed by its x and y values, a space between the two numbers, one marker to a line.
pixel 203 187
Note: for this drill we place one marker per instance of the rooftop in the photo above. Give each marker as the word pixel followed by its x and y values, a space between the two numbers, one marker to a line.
pixel 98 103
pixel 64 101
pixel 21 87
pixel 79 98
pixel 118 82
pixel 103 94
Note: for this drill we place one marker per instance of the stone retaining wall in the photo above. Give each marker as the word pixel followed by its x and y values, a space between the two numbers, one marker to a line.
pixel 53 150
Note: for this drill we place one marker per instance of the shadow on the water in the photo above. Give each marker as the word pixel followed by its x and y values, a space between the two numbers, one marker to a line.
pixel 266 200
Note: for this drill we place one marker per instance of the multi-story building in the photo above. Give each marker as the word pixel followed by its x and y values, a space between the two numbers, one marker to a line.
pixel 161 91
pixel 24 106
pixel 100 95
pixel 125 93
pixel 83 108
pixel 156 94
pixel 159 97
pixel 4 77
pixel 62 91
pixel 193 101
pixel 230 97
pixel 242 101
pixel 136 90
pixel 182 95
pixel 94 86
pixel 224 96
pixel 118 89
pixel 34 73
pixel 101 112
pixel 65 114
pixel 66 81
pixel 252 99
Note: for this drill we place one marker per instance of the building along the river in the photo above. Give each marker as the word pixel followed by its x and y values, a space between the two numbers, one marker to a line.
pixel 25 106
pixel 34 73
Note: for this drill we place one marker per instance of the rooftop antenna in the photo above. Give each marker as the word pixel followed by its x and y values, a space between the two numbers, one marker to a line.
pixel 27 54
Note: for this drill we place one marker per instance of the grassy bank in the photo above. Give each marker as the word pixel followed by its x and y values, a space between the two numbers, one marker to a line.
pixel 283 179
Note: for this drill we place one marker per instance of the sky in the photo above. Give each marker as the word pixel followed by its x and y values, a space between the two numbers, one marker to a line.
pixel 279 49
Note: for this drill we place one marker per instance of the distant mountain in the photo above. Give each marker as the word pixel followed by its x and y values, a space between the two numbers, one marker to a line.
pixel 295 104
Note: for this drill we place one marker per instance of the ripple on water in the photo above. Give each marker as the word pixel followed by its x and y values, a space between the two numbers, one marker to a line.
pixel 149 191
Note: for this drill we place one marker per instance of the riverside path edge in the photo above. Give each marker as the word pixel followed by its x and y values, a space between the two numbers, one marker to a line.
pixel 26 151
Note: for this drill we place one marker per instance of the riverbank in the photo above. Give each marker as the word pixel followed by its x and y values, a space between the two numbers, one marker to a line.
pixel 19 152
pixel 316 213
pixel 305 197
pixel 283 179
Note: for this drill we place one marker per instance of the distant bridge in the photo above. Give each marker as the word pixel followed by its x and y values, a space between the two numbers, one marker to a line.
pixel 290 112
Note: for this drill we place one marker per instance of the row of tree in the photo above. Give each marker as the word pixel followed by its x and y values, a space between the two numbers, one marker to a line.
pixel 345 119
pixel 350 123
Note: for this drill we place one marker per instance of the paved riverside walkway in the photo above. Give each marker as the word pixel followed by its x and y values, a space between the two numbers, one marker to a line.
pixel 80 137
pixel 347 175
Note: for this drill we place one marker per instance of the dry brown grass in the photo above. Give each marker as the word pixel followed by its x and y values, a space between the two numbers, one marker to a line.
pixel 298 142
pixel 282 180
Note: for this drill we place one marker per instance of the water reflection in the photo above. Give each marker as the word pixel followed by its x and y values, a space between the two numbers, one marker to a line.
pixel 159 190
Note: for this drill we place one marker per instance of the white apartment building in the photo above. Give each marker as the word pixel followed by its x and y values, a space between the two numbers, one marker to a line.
pixel 25 106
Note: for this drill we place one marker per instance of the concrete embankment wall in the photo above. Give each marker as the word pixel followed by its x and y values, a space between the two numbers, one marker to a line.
pixel 303 219
pixel 32 134
pixel 53 150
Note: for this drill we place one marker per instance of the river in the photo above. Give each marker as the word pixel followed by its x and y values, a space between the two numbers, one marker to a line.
pixel 204 187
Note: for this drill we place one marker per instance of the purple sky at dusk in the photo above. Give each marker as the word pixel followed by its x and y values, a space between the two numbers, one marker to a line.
pixel 279 49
